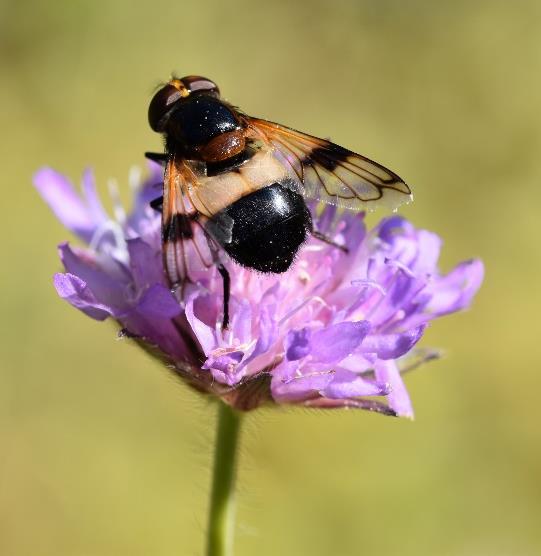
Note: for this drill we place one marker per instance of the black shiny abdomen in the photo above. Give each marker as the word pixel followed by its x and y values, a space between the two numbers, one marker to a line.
pixel 198 119
pixel 269 226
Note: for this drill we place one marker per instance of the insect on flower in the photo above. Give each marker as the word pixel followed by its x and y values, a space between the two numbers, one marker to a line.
pixel 239 184
pixel 337 330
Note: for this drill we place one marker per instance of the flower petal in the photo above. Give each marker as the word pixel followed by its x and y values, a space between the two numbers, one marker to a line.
pixel 428 252
pixel 93 202
pixel 389 228
pixel 298 344
pixel 290 383
pixel 226 367
pixel 67 205
pixel 107 290
pixel 241 319
pixel 76 292
pixel 399 400
pixel 144 220
pixel 204 334
pixel 337 341
pixel 159 302
pixel 145 263
pixel 346 384
pixel 268 331
pixel 392 346
pixel 455 291
pixel 348 403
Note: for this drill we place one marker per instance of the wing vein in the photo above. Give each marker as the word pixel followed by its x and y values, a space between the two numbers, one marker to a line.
pixel 331 173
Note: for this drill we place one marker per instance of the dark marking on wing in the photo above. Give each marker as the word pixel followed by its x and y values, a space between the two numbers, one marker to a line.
pixel 330 173
pixel 321 156
pixel 179 226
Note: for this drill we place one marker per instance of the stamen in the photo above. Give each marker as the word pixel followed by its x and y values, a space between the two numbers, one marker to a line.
pixel 119 248
pixel 371 312
pixel 134 179
pixel 399 315
pixel 367 284
pixel 400 266
pixel 300 376
pixel 392 320
pixel 118 209
pixel 370 267
pixel 299 307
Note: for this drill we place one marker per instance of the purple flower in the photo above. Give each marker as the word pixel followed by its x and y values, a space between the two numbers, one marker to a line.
pixel 336 330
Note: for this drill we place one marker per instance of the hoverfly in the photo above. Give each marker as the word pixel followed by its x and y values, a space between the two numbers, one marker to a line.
pixel 239 183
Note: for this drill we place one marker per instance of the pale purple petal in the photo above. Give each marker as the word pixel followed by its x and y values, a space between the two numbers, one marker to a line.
pixel 298 344
pixel 145 263
pixel 76 292
pixel 106 289
pixel 455 291
pixel 291 383
pixel 93 202
pixel 392 346
pixel 389 228
pixel 205 335
pixel 161 333
pixel 66 204
pixel 143 218
pixel 226 367
pixel 241 319
pixel 326 218
pixel 268 332
pixel 151 189
pixel 403 286
pixel 398 398
pixel 206 306
pixel 337 341
pixel 346 384
pixel 428 252
pixel 348 403
pixel 158 301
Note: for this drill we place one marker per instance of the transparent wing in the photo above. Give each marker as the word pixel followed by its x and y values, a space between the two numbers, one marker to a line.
pixel 330 173
pixel 186 249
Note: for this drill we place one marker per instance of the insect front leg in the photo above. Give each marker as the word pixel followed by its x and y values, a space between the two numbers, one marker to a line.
pixel 157 204
pixel 224 273
pixel 160 158
pixel 226 281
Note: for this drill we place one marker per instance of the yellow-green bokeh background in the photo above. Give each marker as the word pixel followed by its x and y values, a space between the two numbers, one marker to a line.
pixel 102 453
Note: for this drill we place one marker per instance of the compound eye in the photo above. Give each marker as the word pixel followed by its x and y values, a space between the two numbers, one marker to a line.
pixel 161 105
pixel 197 83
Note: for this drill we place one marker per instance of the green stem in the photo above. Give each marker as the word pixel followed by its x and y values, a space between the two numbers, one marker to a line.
pixel 222 500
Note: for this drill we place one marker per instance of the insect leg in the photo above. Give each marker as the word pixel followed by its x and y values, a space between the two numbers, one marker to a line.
pixel 160 158
pixel 157 204
pixel 227 291
pixel 224 273
pixel 329 241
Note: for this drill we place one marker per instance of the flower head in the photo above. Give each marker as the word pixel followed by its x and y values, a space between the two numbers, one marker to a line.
pixel 336 330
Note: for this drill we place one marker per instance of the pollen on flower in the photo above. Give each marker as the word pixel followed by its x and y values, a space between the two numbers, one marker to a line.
pixel 335 331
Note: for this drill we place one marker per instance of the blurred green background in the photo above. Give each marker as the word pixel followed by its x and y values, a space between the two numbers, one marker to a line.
pixel 104 454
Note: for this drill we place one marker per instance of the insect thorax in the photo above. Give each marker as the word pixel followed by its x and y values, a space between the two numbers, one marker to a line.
pixel 197 121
